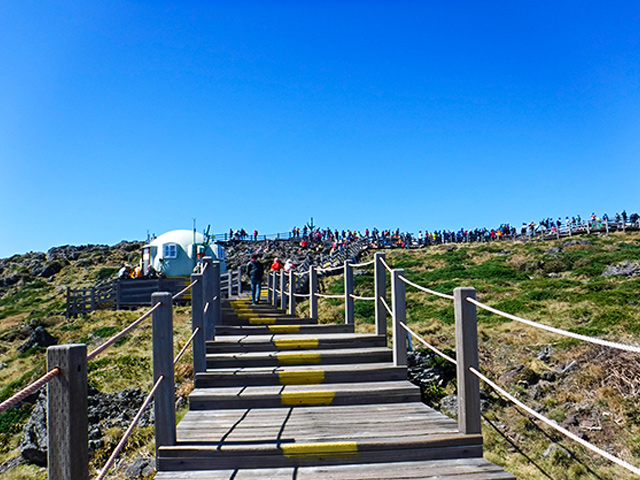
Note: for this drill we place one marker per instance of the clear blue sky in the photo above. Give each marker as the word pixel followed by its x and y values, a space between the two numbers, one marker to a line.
pixel 119 117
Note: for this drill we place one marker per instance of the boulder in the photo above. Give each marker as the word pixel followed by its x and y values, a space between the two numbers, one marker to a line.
pixel 35 444
pixel 552 250
pixel 142 467
pixel 46 270
pixel 39 338
pixel 626 269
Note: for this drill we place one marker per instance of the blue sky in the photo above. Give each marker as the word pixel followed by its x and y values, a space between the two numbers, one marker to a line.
pixel 123 117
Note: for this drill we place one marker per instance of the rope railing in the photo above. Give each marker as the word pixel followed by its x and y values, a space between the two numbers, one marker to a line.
pixel 595 340
pixel 386 306
pixel 328 296
pixel 29 389
pixel 428 345
pixel 206 307
pixel 184 290
pixel 425 289
pixel 356 297
pixel 302 295
pixel 554 425
pixel 186 345
pixel 118 336
pixel 127 434
pixel 365 264
pixel 386 265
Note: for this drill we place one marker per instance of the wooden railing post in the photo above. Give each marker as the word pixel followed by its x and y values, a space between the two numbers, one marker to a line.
pixel 380 288
pixel 313 288
pixel 269 287
pixel 197 321
pixel 292 291
pixel 274 284
pixel 349 315
pixel 208 288
pixel 399 303
pixel 469 420
pixel 282 295
pixel 67 417
pixel 164 400
pixel 216 299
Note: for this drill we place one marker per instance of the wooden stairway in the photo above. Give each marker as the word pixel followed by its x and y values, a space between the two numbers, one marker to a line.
pixel 286 398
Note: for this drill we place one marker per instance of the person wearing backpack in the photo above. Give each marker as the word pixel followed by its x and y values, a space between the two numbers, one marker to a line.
pixel 255 270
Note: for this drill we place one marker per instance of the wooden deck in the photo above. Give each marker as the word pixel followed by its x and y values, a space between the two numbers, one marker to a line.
pixel 288 399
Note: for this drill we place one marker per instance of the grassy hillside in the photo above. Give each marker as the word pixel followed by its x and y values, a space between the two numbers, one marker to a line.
pixel 128 364
pixel 589 390
pixel 563 287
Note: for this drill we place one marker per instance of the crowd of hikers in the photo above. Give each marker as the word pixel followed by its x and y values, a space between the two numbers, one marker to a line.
pixel 315 238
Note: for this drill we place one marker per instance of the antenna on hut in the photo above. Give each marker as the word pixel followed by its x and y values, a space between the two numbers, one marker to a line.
pixel 194 231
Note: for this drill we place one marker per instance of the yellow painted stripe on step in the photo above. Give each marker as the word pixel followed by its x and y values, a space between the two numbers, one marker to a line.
pixel 335 450
pixel 304 377
pixel 284 328
pixel 296 343
pixel 247 315
pixel 307 398
pixel 309 357
pixel 261 321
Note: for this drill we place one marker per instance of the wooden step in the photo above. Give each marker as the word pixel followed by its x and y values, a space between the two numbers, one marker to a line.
pixel 299 357
pixel 304 395
pixel 300 375
pixel 262 343
pixel 263 320
pixel 456 469
pixel 267 329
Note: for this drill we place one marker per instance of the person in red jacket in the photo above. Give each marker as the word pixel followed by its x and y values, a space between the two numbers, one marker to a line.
pixel 276 265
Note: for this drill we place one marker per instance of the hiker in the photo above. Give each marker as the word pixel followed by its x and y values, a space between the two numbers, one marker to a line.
pixel 255 270
pixel 288 265
pixel 125 272
pixel 276 265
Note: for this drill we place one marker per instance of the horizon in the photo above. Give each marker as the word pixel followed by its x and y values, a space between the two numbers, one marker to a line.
pixel 125 118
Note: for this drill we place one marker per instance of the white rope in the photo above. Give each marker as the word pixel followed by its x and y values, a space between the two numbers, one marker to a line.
pixel 184 290
pixel 127 434
pixel 118 336
pixel 598 341
pixel 356 297
pixel 386 265
pixel 302 295
pixel 554 425
pixel 431 347
pixel 206 307
pixel 186 345
pixel 356 265
pixel 425 289
pixel 384 303
pixel 328 296
pixel 299 274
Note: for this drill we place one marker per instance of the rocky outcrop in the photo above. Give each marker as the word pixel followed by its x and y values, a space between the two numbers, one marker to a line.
pixel 39 338
pixel 105 410
pixel 626 269
pixel 19 270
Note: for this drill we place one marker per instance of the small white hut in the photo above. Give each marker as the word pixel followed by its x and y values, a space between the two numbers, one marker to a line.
pixel 176 253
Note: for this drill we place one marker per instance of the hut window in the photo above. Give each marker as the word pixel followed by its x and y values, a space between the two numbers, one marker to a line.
pixel 170 250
